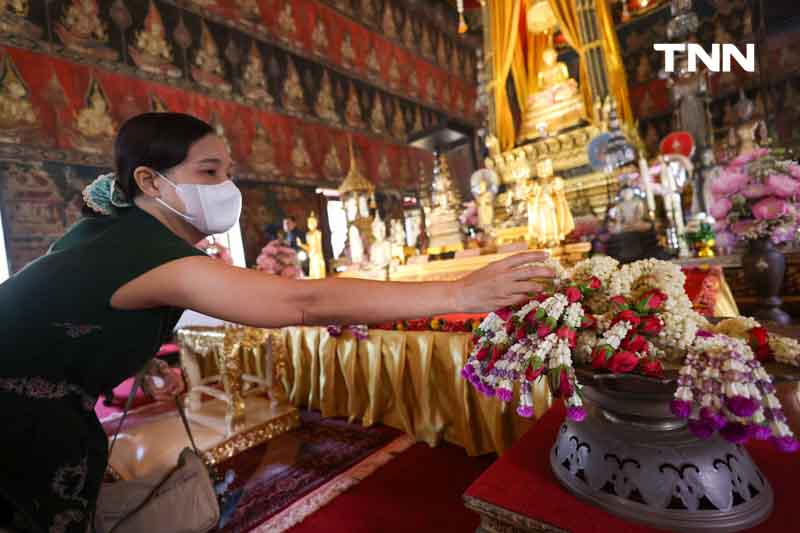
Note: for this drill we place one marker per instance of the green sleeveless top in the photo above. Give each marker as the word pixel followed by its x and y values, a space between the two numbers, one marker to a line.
pixel 58 323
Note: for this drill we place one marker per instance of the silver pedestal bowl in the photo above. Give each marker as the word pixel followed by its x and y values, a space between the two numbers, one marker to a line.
pixel 633 458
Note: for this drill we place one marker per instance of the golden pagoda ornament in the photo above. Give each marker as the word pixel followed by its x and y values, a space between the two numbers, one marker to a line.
pixel 357 193
pixel 150 51
pixel 442 222
pixel 94 128
pixel 325 106
pixel 207 69
pixel 18 118
pixel 294 100
pixel 262 152
pixel 377 118
pixel 254 81
pixel 83 31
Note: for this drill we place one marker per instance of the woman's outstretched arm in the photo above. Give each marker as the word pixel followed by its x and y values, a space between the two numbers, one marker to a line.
pixel 263 300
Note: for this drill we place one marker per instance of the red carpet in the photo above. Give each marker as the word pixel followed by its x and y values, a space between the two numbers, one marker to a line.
pixel 419 492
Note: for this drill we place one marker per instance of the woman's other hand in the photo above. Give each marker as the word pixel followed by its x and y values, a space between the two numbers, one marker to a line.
pixel 502 283
pixel 161 382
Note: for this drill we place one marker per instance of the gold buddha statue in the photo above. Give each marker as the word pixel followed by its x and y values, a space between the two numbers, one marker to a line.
pixel 373 67
pixel 325 107
pixel 287 25
pixel 262 153
pixel 408 33
pixel 17 115
pixel 313 247
pixel 332 165
pixel 254 82
pixel 319 38
pixel 377 118
pixel 94 126
pixel 394 73
pixel 82 30
pixel 293 97
pixel 208 70
pixel 150 50
pixel 398 124
pixel 384 172
pixel 348 54
pixel 556 105
pixel 13 18
pixel 549 217
pixel 352 112
pixel 301 161
pixel 748 126
pixel 389 26
pixel 417 127
pixel 249 10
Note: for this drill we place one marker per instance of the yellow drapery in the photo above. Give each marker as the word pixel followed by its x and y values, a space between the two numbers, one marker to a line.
pixel 408 380
pixel 567 15
pixel 617 79
pixel 505 31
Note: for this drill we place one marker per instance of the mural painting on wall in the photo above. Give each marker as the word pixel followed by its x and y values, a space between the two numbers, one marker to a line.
pixel 40 201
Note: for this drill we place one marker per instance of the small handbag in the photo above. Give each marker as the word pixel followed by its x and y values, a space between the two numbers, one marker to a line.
pixel 182 501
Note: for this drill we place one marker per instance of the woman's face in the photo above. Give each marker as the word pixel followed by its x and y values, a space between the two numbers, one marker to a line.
pixel 208 162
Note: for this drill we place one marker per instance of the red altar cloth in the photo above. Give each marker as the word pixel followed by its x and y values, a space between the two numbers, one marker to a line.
pixel 521 481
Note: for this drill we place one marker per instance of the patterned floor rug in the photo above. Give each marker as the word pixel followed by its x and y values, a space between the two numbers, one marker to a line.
pixel 288 478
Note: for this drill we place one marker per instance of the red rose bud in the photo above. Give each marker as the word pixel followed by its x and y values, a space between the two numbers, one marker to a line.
pixel 510 327
pixel 544 330
pixel 635 343
pixel 619 302
pixel 565 388
pixel 623 362
pixel 651 367
pixel 759 337
pixel 653 300
pixel 573 294
pixel 600 356
pixel 568 334
pixel 594 283
pixel 532 373
pixel 483 353
pixel 542 297
pixel 588 321
pixel 504 313
pixel 521 333
pixel 651 326
pixel 627 316
pixel 763 353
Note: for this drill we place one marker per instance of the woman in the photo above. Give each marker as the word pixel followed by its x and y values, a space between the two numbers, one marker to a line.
pixel 94 309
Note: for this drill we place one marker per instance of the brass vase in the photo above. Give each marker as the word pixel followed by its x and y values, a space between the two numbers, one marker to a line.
pixel 764 268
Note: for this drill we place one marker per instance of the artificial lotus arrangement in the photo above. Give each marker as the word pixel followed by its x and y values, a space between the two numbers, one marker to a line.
pixel 635 319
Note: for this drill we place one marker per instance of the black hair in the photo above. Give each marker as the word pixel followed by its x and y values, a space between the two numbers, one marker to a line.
pixel 292 218
pixel 156 140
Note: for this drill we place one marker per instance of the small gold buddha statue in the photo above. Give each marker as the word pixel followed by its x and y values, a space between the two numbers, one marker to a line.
pixel 319 38
pixel 332 165
pixel 408 33
pixel 208 70
pixel 556 105
pixel 430 90
pixel 301 161
pixel 262 153
pixel 313 247
pixel 13 18
pixel 254 82
pixel 377 118
pixel 413 83
pixel 417 127
pixel 293 97
pixel 389 26
pixel 325 107
pixel 368 9
pixel 748 125
pixel 426 46
pixel 348 54
pixel 150 50
pixel 287 25
pixel 249 9
pixel 17 114
pixel 384 172
pixel 628 215
pixel 82 30
pixel 394 73
pixel 373 67
pixel 380 251
pixel 549 217
pixel 398 124
pixel 352 112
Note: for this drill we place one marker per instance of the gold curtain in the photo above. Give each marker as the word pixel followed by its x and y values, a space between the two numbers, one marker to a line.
pixel 617 79
pixel 505 32
pixel 408 380
pixel 567 15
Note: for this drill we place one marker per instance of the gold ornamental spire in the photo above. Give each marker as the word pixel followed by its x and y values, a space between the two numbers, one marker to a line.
pixel 355 181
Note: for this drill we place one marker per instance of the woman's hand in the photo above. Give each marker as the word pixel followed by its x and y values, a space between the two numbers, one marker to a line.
pixel 161 382
pixel 502 283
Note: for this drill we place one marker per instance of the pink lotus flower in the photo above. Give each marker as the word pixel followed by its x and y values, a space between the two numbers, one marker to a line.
pixel 729 183
pixel 743 227
pixel 756 190
pixel 769 208
pixel 794 170
pixel 748 158
pixel 721 208
pixel 783 186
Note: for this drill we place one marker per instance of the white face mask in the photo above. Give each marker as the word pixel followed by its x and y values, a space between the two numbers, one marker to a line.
pixel 211 209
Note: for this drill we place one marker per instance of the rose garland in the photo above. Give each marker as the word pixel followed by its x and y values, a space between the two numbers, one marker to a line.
pixel 629 319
